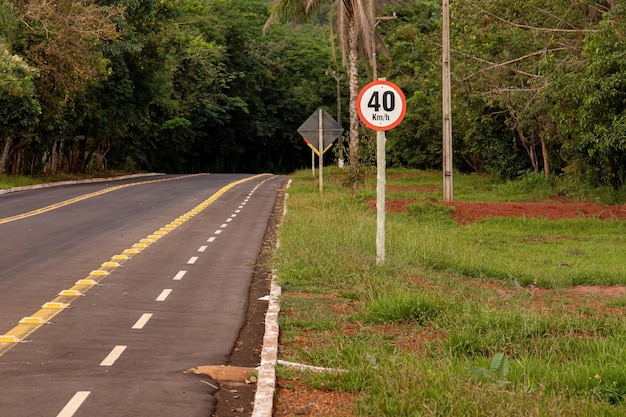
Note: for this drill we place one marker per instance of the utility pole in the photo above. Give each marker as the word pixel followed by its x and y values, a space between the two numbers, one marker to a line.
pixel 447 104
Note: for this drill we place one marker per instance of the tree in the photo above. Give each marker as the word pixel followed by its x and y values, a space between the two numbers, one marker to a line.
pixel 589 104
pixel 510 57
pixel 356 30
pixel 19 109
pixel 63 39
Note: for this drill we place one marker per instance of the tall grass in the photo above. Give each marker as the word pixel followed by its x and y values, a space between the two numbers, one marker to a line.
pixel 449 298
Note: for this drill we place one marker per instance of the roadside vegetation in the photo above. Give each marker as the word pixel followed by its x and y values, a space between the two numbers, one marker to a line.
pixel 498 317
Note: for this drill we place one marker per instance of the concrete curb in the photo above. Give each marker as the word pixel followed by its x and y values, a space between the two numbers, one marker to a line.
pixel 73 182
pixel 266 383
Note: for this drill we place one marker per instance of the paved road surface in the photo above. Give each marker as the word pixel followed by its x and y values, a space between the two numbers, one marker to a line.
pixel 123 289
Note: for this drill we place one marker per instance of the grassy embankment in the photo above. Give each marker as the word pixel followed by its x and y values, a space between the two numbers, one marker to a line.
pixel 472 320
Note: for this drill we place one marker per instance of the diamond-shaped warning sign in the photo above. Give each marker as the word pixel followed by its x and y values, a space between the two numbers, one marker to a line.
pixel 310 130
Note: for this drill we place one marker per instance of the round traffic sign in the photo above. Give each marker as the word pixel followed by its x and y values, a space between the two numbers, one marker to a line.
pixel 381 105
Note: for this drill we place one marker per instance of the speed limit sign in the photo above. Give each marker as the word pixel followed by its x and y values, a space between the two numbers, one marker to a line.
pixel 381 105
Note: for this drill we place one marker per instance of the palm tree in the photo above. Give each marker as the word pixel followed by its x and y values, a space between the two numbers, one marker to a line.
pixel 356 31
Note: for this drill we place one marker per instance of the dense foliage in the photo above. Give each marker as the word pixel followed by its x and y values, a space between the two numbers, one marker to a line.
pixel 195 85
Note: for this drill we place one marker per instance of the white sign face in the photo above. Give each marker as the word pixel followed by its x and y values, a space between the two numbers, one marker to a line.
pixel 381 105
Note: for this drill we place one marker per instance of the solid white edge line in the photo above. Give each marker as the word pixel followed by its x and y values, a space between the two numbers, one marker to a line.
pixel 142 321
pixel 179 275
pixel 164 294
pixel 113 356
pixel 74 404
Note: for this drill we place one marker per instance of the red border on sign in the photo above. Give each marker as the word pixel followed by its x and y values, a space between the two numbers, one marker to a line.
pixel 373 84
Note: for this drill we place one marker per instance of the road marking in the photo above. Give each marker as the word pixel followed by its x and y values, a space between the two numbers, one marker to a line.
pixel 240 207
pixel 230 219
pixel 211 239
pixel 113 356
pixel 142 321
pixel 202 248
pixel 14 336
pixel 179 275
pixel 223 225
pixel 74 404
pixel 164 294
pixel 83 197
pixel 218 231
pixel 192 260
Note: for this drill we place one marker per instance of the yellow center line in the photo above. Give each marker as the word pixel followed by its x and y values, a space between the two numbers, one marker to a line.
pixel 28 325
pixel 84 197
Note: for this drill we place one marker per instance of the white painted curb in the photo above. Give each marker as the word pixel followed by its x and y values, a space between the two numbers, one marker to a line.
pixel 266 382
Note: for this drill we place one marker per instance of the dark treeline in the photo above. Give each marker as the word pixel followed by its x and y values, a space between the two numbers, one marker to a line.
pixel 195 85
pixel 174 86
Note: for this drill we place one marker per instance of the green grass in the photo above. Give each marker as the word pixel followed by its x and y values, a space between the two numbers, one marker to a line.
pixel 411 333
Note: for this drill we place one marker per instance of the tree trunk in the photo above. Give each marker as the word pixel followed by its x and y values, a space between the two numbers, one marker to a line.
pixel 615 179
pixel 546 157
pixel 354 116
pixel 5 154
pixel 54 160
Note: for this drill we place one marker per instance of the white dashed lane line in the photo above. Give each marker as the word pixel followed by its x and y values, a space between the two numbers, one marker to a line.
pixel 202 248
pixel 113 356
pixel 211 239
pixel 179 275
pixel 74 404
pixel 164 294
pixel 192 260
pixel 143 320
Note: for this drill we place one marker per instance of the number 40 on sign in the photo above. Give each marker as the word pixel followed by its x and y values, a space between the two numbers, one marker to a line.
pixel 381 105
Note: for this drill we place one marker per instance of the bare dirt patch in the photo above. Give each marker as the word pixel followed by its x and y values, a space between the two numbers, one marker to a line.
pixel 468 212
pixel 297 399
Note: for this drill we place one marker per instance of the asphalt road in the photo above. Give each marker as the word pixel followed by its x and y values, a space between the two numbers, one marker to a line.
pixel 122 289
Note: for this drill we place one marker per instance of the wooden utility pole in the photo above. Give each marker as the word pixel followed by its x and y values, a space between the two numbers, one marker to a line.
pixel 447 105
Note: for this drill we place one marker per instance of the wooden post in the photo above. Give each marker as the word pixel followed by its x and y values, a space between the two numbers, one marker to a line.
pixel 447 106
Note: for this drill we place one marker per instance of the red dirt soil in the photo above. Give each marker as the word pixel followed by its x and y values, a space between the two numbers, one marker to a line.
pixel 466 212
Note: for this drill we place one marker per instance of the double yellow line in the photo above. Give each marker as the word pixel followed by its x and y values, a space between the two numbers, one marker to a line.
pixel 29 324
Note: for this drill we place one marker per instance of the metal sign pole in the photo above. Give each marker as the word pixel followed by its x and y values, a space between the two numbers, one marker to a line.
pixel 381 165
pixel 320 147
pixel 381 106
